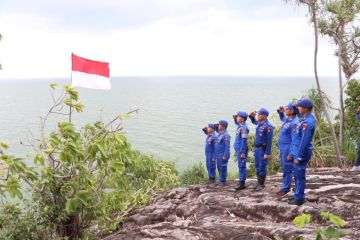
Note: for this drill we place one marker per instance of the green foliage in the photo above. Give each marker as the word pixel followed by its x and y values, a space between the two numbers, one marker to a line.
pixel 318 108
pixel 349 148
pixel 338 20
pixel 352 102
pixel 336 220
pixel 332 232
pixel 84 177
pixel 194 175
pixel 17 225
pixel 302 220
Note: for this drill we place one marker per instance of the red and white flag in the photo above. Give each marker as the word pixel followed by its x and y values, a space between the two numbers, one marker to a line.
pixel 89 74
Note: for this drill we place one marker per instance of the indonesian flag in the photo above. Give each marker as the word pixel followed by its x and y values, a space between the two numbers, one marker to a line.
pixel 87 73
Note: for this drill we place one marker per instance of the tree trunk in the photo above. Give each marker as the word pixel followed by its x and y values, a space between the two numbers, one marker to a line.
pixel 70 228
pixel 341 98
pixel 333 134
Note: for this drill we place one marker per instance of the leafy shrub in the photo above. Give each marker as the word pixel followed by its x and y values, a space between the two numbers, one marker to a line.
pixel 83 177
pixel 195 174
pixel 331 232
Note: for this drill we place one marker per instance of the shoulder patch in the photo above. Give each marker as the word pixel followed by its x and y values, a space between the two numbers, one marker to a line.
pixel 269 129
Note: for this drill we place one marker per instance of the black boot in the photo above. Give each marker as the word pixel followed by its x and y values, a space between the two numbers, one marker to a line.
pixel 241 186
pixel 261 184
pixel 295 202
pixel 263 181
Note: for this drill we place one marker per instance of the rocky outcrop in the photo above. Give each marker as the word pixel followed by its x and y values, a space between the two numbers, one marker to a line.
pixel 203 212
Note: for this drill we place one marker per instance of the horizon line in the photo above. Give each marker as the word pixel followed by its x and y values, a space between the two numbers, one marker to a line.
pixel 169 76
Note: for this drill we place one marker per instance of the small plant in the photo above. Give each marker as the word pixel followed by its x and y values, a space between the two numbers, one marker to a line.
pixel 332 232
pixel 302 220
pixel 194 175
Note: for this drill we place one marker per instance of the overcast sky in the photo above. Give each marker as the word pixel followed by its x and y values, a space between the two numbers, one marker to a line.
pixel 159 37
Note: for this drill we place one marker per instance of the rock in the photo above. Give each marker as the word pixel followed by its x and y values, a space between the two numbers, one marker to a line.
pixel 139 219
pixel 202 212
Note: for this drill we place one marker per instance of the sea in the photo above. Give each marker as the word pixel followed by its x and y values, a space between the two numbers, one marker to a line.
pixel 172 110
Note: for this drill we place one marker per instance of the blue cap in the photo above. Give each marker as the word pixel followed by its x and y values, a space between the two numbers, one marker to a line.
pixel 263 111
pixel 305 103
pixel 293 107
pixel 211 125
pixel 243 115
pixel 223 123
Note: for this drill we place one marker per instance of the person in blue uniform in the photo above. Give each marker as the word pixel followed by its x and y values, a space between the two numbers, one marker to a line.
pixel 357 163
pixel 210 151
pixel 241 147
pixel 263 141
pixel 287 134
pixel 222 151
pixel 303 149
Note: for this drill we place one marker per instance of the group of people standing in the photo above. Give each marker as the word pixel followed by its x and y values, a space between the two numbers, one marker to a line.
pixel 295 145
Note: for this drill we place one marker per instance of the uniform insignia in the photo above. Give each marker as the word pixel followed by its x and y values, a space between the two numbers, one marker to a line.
pixel 269 129
pixel 305 125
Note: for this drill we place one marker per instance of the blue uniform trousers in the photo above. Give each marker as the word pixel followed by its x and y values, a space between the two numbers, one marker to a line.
pixel 222 168
pixel 286 166
pixel 300 177
pixel 260 162
pixel 242 167
pixel 211 165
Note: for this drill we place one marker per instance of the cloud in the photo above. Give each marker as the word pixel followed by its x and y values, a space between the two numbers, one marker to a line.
pixel 177 38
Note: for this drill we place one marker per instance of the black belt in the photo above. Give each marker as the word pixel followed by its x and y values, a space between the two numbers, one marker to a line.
pixel 260 145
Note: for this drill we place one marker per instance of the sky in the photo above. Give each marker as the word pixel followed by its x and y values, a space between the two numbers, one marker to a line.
pixel 160 38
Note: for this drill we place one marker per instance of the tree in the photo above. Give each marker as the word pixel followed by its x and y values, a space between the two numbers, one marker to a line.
pixel 338 22
pixel 352 103
pixel 313 9
pixel 84 177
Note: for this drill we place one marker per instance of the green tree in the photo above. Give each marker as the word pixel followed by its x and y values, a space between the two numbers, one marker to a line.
pixel 84 177
pixel 314 6
pixel 338 21
pixel 352 103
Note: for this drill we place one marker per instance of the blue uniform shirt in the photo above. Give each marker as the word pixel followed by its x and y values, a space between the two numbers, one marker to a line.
pixel 210 143
pixel 288 129
pixel 222 145
pixel 242 132
pixel 358 116
pixel 264 134
pixel 305 133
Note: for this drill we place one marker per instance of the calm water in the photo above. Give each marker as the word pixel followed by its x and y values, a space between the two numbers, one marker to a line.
pixel 173 110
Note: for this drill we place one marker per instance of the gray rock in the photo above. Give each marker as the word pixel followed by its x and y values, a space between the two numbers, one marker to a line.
pixel 202 212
